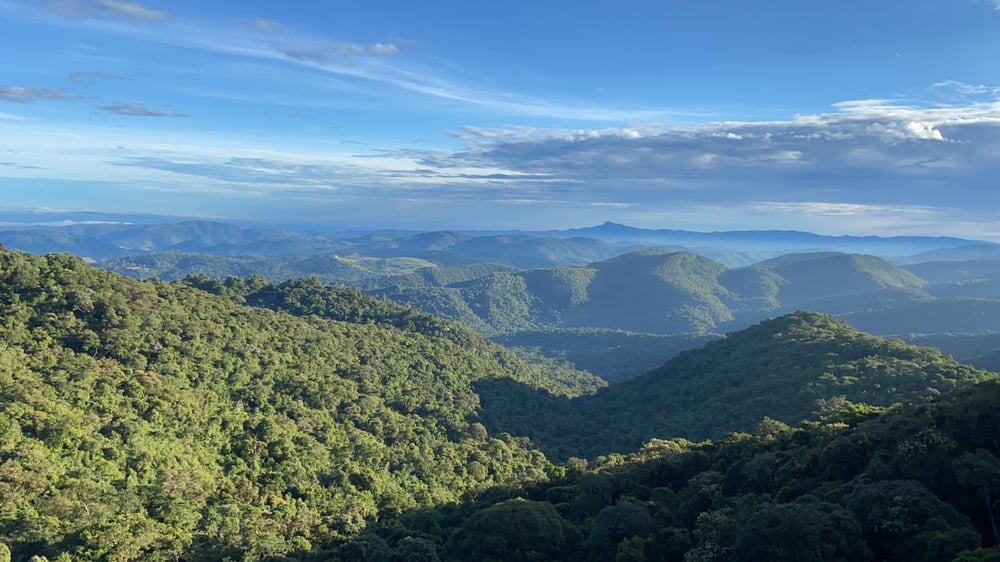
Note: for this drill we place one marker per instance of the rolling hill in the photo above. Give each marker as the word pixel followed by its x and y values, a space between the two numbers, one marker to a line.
pixel 789 368
pixel 157 421
pixel 914 484
pixel 666 293
pixel 241 419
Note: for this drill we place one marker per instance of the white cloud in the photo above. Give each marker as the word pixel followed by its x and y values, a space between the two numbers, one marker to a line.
pixel 116 9
pixel 24 94
pixel 264 25
pixel 390 48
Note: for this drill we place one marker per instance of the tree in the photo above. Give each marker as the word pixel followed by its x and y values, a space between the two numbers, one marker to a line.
pixel 514 531
pixel 614 524
pixel 981 470
pixel 800 532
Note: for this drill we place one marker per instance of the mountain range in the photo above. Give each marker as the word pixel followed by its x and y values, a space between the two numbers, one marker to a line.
pixel 145 420
pixel 105 239
pixel 212 419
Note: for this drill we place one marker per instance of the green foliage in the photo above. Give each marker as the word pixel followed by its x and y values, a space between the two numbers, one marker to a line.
pixel 788 369
pixel 243 420
pixel 155 421
pixel 666 293
pixel 800 532
pixel 513 531
pixel 613 355
pixel 900 499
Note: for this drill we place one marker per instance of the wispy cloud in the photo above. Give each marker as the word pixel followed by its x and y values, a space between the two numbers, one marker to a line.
pixel 114 9
pixel 136 110
pixel 870 165
pixel 263 25
pixel 327 52
pixel 17 166
pixel 83 76
pixel 383 63
pixel 24 94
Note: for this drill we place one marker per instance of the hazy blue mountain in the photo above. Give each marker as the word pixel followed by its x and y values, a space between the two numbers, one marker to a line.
pixel 932 317
pixel 52 241
pixel 965 252
pixel 951 271
pixel 974 288
pixel 775 240
pixel 204 237
pixel 340 270
pixel 794 280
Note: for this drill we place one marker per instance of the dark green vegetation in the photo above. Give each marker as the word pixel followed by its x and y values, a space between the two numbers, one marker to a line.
pixel 919 483
pixel 790 369
pixel 212 419
pixel 145 420
pixel 613 355
pixel 981 350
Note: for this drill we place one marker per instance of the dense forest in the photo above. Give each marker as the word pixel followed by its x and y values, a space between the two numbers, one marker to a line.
pixel 240 419
pixel 156 421
pixel 601 316
pixel 790 368
pixel 914 484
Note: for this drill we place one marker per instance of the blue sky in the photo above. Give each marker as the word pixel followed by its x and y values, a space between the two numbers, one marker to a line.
pixel 836 117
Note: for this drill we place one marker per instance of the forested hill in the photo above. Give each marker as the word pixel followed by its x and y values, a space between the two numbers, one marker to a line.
pixel 238 419
pixel 309 297
pixel 663 292
pixel 155 421
pixel 917 484
pixel 789 368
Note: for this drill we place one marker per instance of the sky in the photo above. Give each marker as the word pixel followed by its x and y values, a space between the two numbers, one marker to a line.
pixel 850 117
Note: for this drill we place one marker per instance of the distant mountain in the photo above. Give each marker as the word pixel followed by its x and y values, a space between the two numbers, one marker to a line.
pixel 965 252
pixel 647 291
pixel 171 266
pixel 933 317
pixel 50 241
pixel 111 240
pixel 794 280
pixel 525 252
pixel 952 271
pixel 666 293
pixel 778 241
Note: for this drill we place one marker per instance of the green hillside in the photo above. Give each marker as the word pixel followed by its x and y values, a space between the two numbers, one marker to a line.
pixel 788 369
pixel 796 279
pixel 155 421
pixel 665 293
pixel 613 355
pixel 171 266
pixel 917 484
pixel 245 420
pixel 648 291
